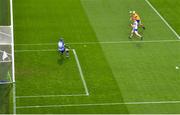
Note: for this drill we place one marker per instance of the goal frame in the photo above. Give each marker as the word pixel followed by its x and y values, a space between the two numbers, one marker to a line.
pixel 12 40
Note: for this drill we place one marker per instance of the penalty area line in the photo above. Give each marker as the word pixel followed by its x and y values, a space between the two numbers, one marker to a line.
pixel 68 95
pixel 99 104
pixel 43 50
pixel 48 96
pixel 81 73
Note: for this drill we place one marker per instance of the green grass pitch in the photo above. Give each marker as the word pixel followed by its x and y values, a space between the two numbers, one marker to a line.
pixel 4 12
pixel 120 75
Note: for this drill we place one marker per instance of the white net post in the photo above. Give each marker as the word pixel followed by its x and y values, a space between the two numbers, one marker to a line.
pixel 13 64
pixel 12 40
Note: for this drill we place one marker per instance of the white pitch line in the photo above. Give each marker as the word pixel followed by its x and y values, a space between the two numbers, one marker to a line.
pixel 113 42
pixel 14 98
pixel 100 104
pixel 40 96
pixel 162 19
pixel 79 68
pixel 124 42
pixel 90 43
pixel 38 44
pixel 5 34
pixel 48 50
pixel 80 71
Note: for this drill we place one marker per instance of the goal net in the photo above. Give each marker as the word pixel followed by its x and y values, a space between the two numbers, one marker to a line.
pixel 6 42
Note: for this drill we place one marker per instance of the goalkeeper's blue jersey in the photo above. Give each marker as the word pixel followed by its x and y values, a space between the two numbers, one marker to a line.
pixel 61 46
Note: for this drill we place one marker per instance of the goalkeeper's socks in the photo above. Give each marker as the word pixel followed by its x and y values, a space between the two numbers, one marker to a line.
pixel 143 27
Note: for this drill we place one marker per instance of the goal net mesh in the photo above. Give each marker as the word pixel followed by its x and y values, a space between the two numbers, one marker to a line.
pixel 6 43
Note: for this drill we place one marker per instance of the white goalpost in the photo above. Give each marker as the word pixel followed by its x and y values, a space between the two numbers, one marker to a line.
pixel 12 40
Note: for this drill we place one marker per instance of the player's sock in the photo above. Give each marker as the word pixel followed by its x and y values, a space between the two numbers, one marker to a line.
pixel 141 37
pixel 130 37
pixel 67 54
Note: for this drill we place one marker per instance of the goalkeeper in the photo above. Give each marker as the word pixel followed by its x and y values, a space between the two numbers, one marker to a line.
pixel 63 48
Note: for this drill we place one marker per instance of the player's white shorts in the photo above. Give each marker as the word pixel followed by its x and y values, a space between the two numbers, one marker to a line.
pixel 135 30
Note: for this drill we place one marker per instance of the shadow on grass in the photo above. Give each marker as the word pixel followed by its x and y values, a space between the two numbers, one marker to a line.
pixel 62 59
